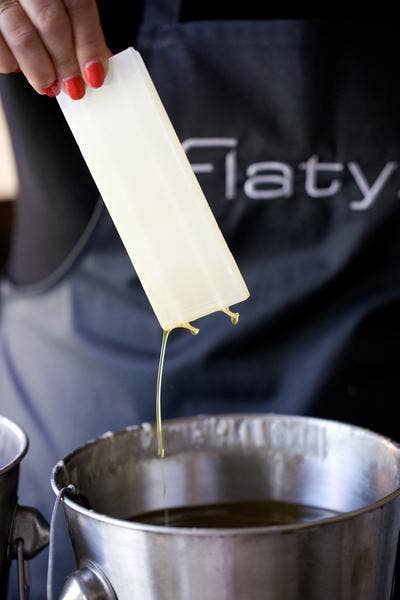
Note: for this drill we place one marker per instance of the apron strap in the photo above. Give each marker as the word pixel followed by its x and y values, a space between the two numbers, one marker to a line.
pixel 161 12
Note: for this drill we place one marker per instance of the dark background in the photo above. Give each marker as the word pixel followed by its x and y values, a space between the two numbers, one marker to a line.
pixel 6 215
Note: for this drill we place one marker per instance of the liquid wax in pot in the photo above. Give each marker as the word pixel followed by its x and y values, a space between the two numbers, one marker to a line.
pixel 259 513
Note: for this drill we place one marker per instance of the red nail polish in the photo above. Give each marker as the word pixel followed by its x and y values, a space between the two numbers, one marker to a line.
pixel 94 73
pixel 75 87
pixel 52 90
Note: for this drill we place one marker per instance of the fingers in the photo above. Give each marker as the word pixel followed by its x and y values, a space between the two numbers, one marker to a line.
pixel 52 22
pixel 8 64
pixel 90 46
pixel 29 52
pixel 54 42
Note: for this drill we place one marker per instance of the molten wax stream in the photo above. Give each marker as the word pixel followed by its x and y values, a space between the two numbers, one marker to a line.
pixel 166 332
pixel 234 317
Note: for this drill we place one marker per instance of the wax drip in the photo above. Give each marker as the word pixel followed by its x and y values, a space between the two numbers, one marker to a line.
pixel 166 332
pixel 233 316
pixel 160 441
pixel 189 326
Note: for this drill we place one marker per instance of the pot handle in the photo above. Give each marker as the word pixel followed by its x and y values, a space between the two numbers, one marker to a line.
pixel 88 583
pixel 30 534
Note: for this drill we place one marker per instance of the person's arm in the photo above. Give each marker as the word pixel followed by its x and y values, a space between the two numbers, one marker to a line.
pixel 55 43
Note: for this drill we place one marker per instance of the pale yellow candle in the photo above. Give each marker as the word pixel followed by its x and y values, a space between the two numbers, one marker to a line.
pixel 153 196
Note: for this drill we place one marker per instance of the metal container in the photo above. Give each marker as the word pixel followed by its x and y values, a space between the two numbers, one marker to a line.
pixel 23 531
pixel 234 458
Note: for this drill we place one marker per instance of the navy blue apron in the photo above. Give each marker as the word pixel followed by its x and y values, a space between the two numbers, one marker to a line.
pixel 292 128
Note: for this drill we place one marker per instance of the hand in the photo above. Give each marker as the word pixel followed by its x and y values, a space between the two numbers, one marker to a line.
pixel 55 43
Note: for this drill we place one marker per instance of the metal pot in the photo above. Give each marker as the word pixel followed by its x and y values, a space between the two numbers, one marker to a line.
pixel 23 531
pixel 342 468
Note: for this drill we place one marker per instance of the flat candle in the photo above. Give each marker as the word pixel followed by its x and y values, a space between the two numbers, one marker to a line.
pixel 153 196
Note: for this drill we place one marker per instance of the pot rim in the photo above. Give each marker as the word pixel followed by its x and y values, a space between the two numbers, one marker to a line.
pixel 214 532
pixel 23 440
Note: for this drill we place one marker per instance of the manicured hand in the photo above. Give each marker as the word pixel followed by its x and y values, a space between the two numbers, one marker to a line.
pixel 54 43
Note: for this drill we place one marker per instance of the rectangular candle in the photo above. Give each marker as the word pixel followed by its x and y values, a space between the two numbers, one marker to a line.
pixel 153 196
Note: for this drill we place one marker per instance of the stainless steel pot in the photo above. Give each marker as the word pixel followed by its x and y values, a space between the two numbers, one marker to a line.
pixel 23 531
pixel 234 458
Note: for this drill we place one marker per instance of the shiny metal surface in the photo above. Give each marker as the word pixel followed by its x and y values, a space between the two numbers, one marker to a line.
pixel 88 582
pixel 17 523
pixel 238 458
pixel 22 571
pixel 31 527
pixel 13 447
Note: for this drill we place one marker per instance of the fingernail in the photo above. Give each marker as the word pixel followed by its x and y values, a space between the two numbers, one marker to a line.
pixel 52 90
pixel 94 73
pixel 75 87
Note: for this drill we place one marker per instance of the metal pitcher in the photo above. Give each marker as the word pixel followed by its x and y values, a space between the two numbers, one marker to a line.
pixel 216 459
pixel 23 531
